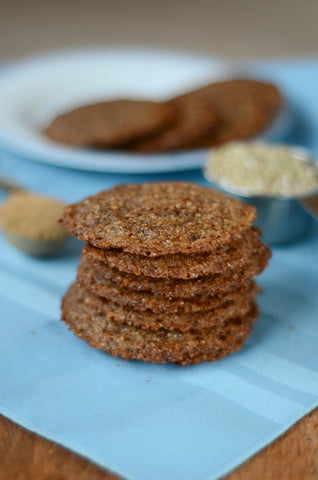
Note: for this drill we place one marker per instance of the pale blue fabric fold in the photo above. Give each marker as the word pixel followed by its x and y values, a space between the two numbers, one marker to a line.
pixel 152 422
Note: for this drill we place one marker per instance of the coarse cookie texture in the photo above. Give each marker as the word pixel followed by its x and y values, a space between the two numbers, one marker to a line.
pixel 167 275
pixel 181 321
pixel 130 342
pixel 195 121
pixel 98 285
pixel 158 218
pixel 109 124
pixel 232 258
pixel 217 284
pixel 244 108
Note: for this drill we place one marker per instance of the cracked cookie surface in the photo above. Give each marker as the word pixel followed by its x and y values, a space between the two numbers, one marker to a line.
pixel 154 219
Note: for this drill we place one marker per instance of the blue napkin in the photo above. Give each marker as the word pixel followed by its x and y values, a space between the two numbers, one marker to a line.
pixel 149 422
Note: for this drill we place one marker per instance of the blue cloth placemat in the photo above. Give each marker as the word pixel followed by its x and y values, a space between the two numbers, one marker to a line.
pixel 154 422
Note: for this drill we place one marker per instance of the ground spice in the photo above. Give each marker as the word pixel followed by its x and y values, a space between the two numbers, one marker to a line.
pixel 262 169
pixel 32 216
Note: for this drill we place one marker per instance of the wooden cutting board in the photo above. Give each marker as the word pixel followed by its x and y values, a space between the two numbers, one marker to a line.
pixel 25 456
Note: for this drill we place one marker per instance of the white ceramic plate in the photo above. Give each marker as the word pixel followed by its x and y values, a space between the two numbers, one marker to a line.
pixel 33 92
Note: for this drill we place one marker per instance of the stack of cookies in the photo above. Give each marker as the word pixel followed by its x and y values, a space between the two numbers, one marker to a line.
pixel 166 274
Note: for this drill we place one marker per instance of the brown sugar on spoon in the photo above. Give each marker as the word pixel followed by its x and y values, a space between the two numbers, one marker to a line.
pixel 130 313
pixel 29 223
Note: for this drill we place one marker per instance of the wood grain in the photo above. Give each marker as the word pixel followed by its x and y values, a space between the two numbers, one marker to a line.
pixel 25 456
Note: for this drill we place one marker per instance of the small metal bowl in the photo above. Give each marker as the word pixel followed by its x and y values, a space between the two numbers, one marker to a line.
pixel 282 219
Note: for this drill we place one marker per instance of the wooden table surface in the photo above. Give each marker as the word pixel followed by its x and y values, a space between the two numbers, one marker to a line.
pixel 25 456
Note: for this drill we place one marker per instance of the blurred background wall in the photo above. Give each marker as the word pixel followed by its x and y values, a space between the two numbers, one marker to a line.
pixel 232 28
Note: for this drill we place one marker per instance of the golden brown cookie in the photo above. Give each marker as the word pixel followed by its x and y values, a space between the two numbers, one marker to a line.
pixel 144 301
pixel 244 108
pixel 109 124
pixel 232 257
pixel 160 218
pixel 169 321
pixel 130 342
pixel 195 122
pixel 217 284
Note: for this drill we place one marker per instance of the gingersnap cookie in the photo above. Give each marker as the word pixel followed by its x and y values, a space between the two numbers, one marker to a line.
pixel 195 121
pixel 160 218
pixel 217 284
pixel 232 257
pixel 112 123
pixel 131 342
pixel 95 283
pixel 181 321
pixel 244 108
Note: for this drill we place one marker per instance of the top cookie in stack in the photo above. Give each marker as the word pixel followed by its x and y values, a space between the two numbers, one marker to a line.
pixel 167 274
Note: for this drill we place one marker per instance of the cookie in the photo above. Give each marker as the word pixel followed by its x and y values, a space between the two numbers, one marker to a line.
pixel 232 257
pixel 244 108
pixel 144 301
pixel 160 218
pixel 109 124
pixel 217 284
pixel 195 121
pixel 130 342
pixel 169 321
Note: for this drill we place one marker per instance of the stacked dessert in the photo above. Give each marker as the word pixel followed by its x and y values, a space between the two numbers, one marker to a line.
pixel 167 273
